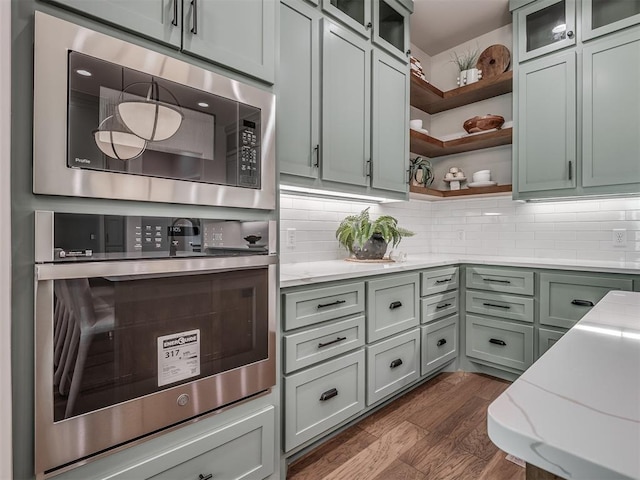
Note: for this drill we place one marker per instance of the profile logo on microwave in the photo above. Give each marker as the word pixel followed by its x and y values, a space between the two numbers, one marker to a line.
pixel 181 340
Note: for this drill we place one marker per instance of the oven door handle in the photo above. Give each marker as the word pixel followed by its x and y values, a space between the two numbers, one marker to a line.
pixel 139 268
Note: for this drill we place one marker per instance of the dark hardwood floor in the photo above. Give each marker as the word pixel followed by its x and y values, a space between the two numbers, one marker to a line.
pixel 437 431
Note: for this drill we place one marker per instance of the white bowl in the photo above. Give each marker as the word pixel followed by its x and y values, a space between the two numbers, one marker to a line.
pixel 483 176
pixel 415 124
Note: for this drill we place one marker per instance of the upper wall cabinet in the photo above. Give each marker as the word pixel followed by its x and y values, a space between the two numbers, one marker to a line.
pixel 385 22
pixel 544 27
pixel 600 17
pixel 237 35
pixel 343 107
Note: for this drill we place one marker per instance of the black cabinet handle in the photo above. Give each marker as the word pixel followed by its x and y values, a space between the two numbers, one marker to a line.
pixel 339 339
pixel 582 303
pixel 325 305
pixel 495 280
pixel 368 25
pixel 506 307
pixel 174 22
pixel 194 28
pixel 394 305
pixel 408 52
pixel 444 305
pixel 570 170
pixel 329 394
pixel 396 363
pixel 441 342
pixel 570 34
pixel 205 477
pixel 316 152
pixel 446 280
pixel 495 341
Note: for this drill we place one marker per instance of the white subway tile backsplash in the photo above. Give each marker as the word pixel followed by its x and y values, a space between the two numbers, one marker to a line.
pixel 573 230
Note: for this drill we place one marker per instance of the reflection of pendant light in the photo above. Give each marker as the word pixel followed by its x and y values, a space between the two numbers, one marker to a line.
pixel 115 141
pixel 149 118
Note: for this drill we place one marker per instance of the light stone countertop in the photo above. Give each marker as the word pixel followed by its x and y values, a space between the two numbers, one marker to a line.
pixel 576 411
pixel 309 273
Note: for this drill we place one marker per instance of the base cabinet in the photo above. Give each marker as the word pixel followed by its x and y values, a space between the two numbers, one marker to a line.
pixel 547 338
pixel 439 344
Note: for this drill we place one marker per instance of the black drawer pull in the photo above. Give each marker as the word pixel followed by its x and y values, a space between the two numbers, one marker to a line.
pixel 396 363
pixel 325 305
pixel 446 280
pixel 444 305
pixel 506 307
pixel 205 477
pixel 441 342
pixel 496 280
pixel 339 339
pixel 495 341
pixel 329 394
pixel 582 303
pixel 394 305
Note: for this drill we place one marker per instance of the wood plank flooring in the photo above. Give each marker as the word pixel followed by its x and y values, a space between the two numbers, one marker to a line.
pixel 436 432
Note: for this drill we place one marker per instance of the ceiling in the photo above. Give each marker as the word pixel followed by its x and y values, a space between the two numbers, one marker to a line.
pixel 438 25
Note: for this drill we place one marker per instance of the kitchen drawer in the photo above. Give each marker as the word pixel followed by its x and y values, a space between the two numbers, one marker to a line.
pixel 500 305
pixel 322 343
pixel 392 306
pixel 500 280
pixel 438 306
pixel 392 364
pixel 439 280
pixel 565 298
pixel 320 397
pixel 439 343
pixel 546 339
pixel 240 450
pixel 315 305
pixel 500 342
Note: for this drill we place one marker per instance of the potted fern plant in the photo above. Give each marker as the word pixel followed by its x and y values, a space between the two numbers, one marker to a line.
pixel 368 239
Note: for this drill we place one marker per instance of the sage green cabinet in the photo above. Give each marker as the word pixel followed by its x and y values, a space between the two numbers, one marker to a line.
pixel 545 153
pixel 356 14
pixel 237 35
pixel 513 307
pixel 545 26
pixel 600 17
pixel 390 115
pixel 298 90
pixel 346 103
pixel 547 338
pixel 391 27
pixel 611 102
pixel 392 305
pixel 500 279
pixel 439 344
pixel 565 298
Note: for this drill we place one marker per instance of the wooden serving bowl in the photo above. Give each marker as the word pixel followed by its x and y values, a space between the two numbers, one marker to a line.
pixel 485 122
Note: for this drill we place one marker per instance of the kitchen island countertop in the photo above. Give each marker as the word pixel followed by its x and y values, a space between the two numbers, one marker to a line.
pixel 309 273
pixel 576 411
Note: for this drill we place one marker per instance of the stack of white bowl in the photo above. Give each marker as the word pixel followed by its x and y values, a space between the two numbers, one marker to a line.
pixel 482 178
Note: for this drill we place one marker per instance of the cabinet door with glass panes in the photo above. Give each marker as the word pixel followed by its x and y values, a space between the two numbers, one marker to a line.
pixel 391 28
pixel 356 14
pixel 544 27
pixel 600 17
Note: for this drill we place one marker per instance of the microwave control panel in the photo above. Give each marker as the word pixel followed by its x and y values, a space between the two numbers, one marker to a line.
pixel 248 171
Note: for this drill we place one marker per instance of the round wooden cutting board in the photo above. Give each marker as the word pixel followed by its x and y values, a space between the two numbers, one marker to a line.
pixel 494 60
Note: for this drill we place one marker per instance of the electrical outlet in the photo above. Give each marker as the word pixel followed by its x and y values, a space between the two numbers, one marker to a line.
pixel 460 234
pixel 619 237
pixel 291 238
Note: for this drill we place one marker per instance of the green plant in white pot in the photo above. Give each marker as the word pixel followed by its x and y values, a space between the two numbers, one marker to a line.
pixel 368 239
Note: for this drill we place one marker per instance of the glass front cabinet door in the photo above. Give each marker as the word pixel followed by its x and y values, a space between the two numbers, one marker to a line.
pixel 544 27
pixel 391 28
pixel 356 14
pixel 600 17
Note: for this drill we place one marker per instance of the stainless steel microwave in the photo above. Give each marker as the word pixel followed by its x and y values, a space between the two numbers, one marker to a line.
pixel 116 120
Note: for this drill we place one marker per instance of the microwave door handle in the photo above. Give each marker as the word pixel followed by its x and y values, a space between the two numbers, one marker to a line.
pixel 140 268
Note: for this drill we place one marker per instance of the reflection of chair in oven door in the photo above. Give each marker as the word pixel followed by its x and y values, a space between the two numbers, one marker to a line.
pixel 81 317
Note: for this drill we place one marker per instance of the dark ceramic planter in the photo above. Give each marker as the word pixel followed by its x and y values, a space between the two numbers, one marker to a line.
pixel 373 249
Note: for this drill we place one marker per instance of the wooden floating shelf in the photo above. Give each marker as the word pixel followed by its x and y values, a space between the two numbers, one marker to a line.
pixel 431 99
pixel 431 147
pixel 459 193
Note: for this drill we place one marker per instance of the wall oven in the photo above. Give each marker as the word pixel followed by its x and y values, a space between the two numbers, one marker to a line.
pixel 143 323
pixel 115 120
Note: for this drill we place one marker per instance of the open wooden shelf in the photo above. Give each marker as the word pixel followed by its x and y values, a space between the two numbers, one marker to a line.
pixel 431 99
pixel 459 193
pixel 431 147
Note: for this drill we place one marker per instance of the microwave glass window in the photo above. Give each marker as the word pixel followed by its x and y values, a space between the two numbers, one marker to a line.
pixel 116 339
pixel 122 120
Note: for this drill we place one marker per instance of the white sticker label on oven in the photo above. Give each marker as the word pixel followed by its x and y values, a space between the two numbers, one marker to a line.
pixel 178 357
